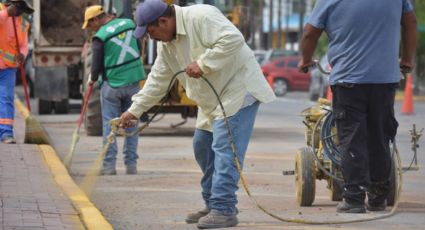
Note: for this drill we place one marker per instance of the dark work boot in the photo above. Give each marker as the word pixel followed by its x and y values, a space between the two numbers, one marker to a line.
pixel 373 207
pixel 9 140
pixel 194 217
pixel 345 207
pixel 214 219
pixel 377 196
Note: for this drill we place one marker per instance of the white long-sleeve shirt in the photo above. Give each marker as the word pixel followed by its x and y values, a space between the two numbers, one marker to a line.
pixel 204 35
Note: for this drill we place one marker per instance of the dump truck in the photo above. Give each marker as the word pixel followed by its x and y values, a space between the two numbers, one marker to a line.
pixel 56 56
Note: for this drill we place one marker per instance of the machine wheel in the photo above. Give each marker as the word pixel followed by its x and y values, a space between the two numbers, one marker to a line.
pixel 280 87
pixel 392 196
pixel 93 116
pixel 44 106
pixel 305 177
pixel 61 107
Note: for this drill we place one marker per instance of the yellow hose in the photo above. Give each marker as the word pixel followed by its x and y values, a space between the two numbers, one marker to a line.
pixel 115 123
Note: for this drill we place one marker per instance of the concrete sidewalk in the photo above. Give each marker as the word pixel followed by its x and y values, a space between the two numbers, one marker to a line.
pixel 29 195
pixel 36 191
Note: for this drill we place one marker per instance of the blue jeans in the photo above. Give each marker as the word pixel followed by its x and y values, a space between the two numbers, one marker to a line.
pixel 215 157
pixel 115 101
pixel 7 96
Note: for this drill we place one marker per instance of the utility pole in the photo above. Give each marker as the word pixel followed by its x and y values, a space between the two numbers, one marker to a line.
pixel 287 23
pixel 301 26
pixel 270 37
pixel 261 8
pixel 251 23
pixel 279 24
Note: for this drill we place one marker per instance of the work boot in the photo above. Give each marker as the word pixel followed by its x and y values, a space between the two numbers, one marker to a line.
pixel 372 207
pixel 194 217
pixel 214 219
pixel 9 140
pixel 377 196
pixel 108 172
pixel 345 207
pixel 131 170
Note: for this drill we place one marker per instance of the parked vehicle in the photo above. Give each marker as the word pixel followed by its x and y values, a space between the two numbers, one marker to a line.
pixel 276 53
pixel 56 56
pixel 283 75
pixel 319 81
pixel 264 56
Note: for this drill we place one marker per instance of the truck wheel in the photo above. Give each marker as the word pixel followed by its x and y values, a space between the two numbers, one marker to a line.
pixel 93 116
pixel 392 195
pixel 305 177
pixel 44 106
pixel 61 107
pixel 280 87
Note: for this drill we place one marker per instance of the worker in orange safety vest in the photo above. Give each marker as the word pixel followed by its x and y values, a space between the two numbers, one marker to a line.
pixel 11 57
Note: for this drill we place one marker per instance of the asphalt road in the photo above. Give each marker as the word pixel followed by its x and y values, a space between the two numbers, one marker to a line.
pixel 167 186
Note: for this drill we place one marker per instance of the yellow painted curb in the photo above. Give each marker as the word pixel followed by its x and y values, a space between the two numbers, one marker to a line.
pixel 89 214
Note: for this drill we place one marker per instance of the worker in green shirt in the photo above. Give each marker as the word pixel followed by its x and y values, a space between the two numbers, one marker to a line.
pixel 116 58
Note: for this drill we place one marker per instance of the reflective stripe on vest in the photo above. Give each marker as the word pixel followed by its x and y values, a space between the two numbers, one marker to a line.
pixel 125 47
pixel 122 63
pixel 7 57
pixel 6 121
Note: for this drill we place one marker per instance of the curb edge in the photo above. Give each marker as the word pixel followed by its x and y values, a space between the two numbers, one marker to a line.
pixel 91 217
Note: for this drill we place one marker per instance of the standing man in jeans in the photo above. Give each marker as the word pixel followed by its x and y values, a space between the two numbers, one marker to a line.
pixel 364 38
pixel 11 57
pixel 200 40
pixel 116 57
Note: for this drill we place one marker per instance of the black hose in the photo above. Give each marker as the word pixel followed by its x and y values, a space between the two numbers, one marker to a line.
pixel 329 147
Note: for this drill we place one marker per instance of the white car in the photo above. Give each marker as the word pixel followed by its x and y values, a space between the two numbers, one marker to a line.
pixel 262 56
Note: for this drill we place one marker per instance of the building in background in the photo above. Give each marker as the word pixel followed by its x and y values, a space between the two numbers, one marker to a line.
pixel 253 18
pixel 287 17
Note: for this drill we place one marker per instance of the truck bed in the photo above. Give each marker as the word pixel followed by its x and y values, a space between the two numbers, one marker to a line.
pixel 61 21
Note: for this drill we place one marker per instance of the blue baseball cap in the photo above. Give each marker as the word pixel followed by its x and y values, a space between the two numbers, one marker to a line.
pixel 147 12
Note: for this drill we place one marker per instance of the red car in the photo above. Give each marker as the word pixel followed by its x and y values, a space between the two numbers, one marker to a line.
pixel 283 75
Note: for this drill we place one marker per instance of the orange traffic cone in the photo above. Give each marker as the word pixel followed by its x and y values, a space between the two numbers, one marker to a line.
pixel 329 94
pixel 408 97
pixel 270 81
